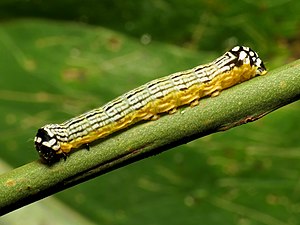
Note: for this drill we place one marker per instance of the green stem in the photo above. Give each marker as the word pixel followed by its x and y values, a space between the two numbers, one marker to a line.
pixel 237 105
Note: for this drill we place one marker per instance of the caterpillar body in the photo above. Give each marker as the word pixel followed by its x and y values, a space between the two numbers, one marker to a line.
pixel 147 102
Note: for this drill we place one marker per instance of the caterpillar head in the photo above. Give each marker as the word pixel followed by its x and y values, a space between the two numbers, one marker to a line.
pixel 47 145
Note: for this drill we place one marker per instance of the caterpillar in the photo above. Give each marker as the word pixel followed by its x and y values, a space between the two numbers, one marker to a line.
pixel 148 102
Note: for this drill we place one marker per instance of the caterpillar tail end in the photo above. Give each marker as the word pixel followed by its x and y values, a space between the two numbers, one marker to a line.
pixel 245 55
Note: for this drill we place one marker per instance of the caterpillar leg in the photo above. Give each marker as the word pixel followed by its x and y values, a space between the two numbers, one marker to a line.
pixel 172 111
pixel 65 156
pixel 215 93
pixel 155 117
pixel 194 103
pixel 86 146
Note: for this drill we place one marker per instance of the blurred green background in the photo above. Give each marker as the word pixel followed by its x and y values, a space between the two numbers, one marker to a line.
pixel 62 58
